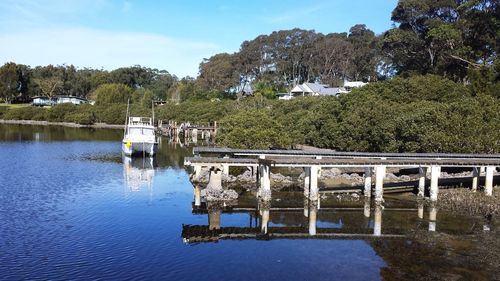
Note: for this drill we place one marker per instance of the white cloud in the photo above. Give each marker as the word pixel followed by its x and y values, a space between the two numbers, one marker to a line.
pixel 84 47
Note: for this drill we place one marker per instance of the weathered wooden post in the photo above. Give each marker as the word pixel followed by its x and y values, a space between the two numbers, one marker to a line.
pixel 264 212
pixel 313 211
pixel 488 183
pixel 379 182
pixel 319 167
pixel 307 181
pixel 422 171
pixel 435 173
pixel 197 172
pixel 215 178
pixel 368 182
pixel 225 167
pixel 377 226
pixel 265 179
pixel 313 190
pixel 214 219
pixel 420 209
pixel 366 209
pixel 197 195
pixel 475 179
pixel 432 217
pixel 194 135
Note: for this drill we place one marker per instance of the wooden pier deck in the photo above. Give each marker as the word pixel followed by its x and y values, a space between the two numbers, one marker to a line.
pixel 312 161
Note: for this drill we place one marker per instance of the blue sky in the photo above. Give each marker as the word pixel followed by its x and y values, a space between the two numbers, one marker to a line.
pixel 171 35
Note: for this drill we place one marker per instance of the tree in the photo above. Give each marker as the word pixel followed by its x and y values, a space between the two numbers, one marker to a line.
pixel 445 37
pixel 14 79
pixel 362 63
pixel 218 73
pixel 108 94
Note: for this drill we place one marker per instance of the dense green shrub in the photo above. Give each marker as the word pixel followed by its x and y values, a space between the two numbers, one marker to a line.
pixel 253 129
pixel 415 114
pixel 24 113
pixel 58 112
pixel 111 94
pixel 83 118
pixel 3 110
pixel 111 114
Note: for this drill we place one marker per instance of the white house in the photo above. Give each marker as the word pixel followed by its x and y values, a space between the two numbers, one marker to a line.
pixel 42 101
pixel 71 99
pixel 354 84
pixel 45 101
pixel 316 89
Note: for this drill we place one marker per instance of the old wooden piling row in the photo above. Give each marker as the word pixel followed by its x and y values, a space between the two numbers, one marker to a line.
pixel 190 132
pixel 313 161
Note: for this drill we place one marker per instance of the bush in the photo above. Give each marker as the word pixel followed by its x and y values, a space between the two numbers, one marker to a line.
pixel 3 110
pixel 24 113
pixel 111 94
pixel 253 129
pixel 112 114
pixel 58 112
pixel 83 118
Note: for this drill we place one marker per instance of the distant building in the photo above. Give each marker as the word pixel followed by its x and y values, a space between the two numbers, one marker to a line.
pixel 284 96
pixel 71 99
pixel 354 84
pixel 45 101
pixel 316 89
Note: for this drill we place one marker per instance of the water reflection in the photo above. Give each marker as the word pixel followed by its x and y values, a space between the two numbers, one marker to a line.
pixel 139 172
pixel 325 218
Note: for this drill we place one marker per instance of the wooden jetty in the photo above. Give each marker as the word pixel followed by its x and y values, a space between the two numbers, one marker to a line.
pixel 218 160
pixel 190 132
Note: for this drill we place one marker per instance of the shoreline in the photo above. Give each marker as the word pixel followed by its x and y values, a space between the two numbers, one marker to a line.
pixel 62 124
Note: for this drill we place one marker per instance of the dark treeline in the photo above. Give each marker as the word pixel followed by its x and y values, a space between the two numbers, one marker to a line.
pixel 434 86
pixel 456 39
pixel 18 83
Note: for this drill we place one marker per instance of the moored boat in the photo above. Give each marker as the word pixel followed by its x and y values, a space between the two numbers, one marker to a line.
pixel 140 136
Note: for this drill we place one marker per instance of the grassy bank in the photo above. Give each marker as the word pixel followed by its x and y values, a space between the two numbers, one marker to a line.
pixel 14 105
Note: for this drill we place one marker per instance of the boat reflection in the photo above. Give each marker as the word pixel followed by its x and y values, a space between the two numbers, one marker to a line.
pixel 138 172
pixel 325 219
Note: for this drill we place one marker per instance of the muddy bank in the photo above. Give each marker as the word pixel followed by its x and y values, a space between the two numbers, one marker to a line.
pixel 464 201
pixel 440 256
pixel 63 124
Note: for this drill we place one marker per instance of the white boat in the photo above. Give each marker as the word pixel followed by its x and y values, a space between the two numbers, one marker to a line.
pixel 140 137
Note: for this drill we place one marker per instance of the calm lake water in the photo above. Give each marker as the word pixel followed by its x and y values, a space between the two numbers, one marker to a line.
pixel 71 208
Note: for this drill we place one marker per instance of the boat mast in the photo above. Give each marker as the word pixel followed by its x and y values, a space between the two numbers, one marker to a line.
pixel 126 118
pixel 153 109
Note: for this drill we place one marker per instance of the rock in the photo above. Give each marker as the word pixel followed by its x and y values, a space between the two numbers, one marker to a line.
pixel 279 178
pixel 246 177
pixel 219 195
pixel 330 173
